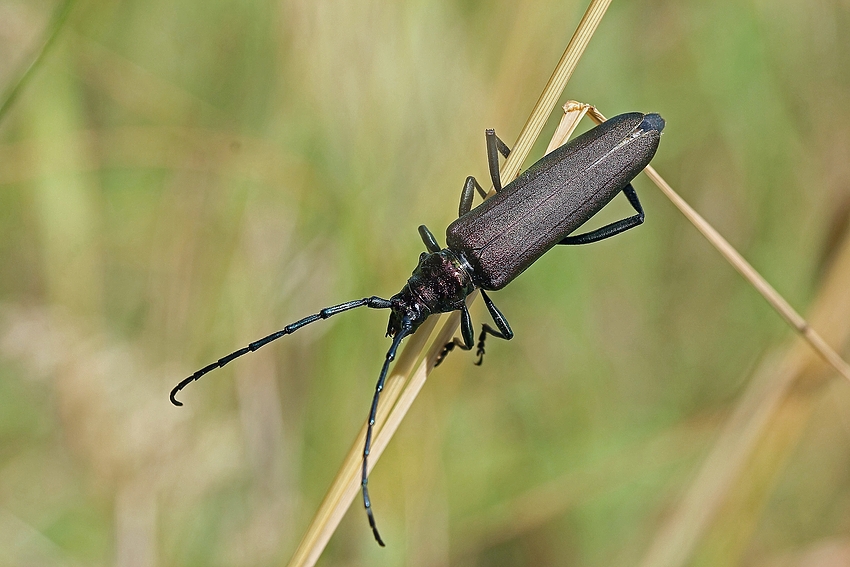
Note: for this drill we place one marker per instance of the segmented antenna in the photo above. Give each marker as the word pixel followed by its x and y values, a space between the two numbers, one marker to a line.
pixel 372 413
pixel 373 302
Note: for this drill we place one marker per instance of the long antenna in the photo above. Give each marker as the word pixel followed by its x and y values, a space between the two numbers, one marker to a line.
pixel 373 302
pixel 403 332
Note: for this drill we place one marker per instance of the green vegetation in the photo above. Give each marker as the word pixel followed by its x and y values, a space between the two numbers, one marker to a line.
pixel 180 178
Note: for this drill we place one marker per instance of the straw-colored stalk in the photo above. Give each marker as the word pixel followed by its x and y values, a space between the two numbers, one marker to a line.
pixel 767 405
pixel 573 111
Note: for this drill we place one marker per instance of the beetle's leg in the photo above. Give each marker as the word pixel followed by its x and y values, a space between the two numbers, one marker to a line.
pixel 504 331
pixel 500 145
pixel 466 332
pixel 494 145
pixel 613 228
pixel 466 196
pixel 428 238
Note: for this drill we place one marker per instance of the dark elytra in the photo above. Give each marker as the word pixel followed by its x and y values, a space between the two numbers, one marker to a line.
pixel 490 245
pixel 507 233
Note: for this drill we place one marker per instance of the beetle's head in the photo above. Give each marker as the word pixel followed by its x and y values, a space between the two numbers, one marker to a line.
pixel 408 312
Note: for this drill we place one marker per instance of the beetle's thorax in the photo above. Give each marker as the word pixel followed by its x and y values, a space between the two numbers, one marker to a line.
pixel 439 284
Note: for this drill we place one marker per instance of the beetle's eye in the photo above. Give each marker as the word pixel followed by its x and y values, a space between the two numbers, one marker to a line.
pixel 422 257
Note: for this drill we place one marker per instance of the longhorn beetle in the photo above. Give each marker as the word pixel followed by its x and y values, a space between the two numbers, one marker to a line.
pixel 490 245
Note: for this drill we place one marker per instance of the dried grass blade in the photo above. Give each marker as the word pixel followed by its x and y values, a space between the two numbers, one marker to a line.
pixel 574 111
pixel 555 87
pixel 751 275
pixel 779 303
pixel 339 495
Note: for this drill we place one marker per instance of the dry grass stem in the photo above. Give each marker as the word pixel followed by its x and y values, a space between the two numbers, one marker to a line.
pixel 751 275
pixel 344 487
pixel 555 87
pixel 779 304
pixel 765 405
pixel 345 484
pixel 574 111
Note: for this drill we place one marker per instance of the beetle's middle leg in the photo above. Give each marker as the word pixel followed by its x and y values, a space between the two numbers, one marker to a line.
pixel 504 331
pixel 615 227
pixel 465 332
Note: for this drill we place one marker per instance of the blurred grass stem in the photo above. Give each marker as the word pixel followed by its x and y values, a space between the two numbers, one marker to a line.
pixel 345 485
pixel 573 111
pixel 52 33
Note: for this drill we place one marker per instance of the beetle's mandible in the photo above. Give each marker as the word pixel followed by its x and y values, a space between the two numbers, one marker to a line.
pixel 490 245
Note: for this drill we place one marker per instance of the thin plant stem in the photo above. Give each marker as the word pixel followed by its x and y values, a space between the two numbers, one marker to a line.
pixel 52 33
pixel 555 87
pixel 779 303
pixel 773 297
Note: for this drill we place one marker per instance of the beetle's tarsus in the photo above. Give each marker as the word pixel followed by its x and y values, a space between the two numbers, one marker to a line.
pixel 480 353
pixel 447 348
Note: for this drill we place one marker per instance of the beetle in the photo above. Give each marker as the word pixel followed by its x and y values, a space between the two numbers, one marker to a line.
pixel 489 246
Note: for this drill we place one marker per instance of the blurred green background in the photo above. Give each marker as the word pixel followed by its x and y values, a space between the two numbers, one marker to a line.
pixel 180 178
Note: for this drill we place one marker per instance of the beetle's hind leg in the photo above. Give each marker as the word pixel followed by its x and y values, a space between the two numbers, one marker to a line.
pixel 614 228
pixel 504 331
pixel 465 331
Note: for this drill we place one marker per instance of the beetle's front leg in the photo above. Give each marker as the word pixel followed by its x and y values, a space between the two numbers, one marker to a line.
pixel 468 193
pixel 428 239
pixel 504 331
pixel 465 331
pixel 495 146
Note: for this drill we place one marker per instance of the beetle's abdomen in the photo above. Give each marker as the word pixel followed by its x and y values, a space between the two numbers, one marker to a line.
pixel 507 233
